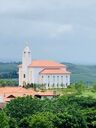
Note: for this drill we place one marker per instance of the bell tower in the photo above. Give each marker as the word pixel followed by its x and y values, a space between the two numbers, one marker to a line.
pixel 26 61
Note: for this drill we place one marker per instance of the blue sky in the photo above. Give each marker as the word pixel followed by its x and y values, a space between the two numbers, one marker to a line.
pixel 62 30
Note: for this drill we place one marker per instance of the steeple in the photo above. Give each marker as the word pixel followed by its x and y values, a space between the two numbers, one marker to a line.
pixel 26 61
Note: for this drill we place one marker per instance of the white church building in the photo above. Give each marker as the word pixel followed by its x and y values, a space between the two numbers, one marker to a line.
pixel 51 74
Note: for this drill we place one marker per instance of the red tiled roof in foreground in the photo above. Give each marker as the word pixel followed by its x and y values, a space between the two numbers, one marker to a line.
pixel 16 90
pixel 54 71
pixel 10 93
pixel 45 63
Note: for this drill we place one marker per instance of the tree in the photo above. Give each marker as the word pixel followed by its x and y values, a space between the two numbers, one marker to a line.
pixel 79 87
pixel 4 121
pixel 90 115
pixel 94 88
pixel 41 120
pixel 25 123
pixel 23 107
pixel 72 119
pixel 13 123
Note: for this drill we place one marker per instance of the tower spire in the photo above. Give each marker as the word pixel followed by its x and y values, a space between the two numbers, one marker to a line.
pixel 26 61
pixel 27 43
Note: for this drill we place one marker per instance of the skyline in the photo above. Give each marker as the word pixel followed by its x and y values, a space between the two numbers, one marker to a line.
pixel 61 30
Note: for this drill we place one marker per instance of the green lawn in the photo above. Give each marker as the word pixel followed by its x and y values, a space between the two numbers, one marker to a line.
pixel 70 91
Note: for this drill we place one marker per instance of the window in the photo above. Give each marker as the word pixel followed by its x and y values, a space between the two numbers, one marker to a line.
pixel 48 76
pixel 62 79
pixel 24 75
pixel 53 85
pixel 62 85
pixel 53 78
pixel 58 79
pixel 48 84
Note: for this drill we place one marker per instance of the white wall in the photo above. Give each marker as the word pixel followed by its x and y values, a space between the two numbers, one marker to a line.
pixel 57 80
pixel 34 75
pixel 20 77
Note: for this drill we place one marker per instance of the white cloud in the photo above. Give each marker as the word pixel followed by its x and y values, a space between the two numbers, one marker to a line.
pixel 48 22
pixel 62 29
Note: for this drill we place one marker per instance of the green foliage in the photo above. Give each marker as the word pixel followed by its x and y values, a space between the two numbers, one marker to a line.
pixel 90 115
pixel 72 119
pixel 25 123
pixel 61 112
pixel 23 107
pixel 94 88
pixel 13 123
pixel 41 120
pixel 8 82
pixel 79 87
pixel 4 121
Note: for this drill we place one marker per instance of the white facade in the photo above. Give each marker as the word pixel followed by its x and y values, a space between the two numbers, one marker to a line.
pixel 42 72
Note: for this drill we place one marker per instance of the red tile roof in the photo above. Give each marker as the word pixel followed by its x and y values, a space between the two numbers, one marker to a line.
pixel 10 93
pixel 55 71
pixel 6 92
pixel 45 63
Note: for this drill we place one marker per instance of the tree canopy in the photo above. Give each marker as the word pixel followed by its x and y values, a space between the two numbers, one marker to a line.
pixel 61 112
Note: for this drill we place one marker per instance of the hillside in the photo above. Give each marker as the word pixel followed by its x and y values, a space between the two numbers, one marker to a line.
pixel 9 70
pixel 84 73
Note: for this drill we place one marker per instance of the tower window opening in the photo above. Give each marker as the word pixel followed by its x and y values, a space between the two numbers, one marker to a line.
pixel 24 75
